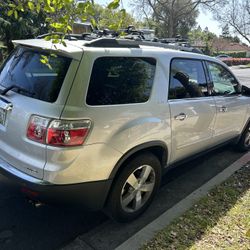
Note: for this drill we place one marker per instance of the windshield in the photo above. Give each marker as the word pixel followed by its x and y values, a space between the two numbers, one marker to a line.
pixel 24 69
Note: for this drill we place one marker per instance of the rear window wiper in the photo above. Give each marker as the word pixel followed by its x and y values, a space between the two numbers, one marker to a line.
pixel 19 89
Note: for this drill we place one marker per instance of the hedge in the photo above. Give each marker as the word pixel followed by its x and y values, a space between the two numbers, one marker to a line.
pixel 240 54
pixel 236 61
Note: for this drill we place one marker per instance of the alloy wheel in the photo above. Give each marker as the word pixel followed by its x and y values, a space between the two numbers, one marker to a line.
pixel 137 188
pixel 247 138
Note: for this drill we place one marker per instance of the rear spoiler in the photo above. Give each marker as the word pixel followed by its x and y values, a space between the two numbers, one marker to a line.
pixel 70 50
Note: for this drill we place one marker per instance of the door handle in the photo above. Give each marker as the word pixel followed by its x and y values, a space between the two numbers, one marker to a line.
pixel 222 109
pixel 180 117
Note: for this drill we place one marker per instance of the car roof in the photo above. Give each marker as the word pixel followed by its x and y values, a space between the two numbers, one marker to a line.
pixel 74 48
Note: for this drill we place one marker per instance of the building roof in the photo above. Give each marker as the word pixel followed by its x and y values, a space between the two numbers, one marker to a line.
pixel 236 47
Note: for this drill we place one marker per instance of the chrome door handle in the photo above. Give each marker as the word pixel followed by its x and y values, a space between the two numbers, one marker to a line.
pixel 222 109
pixel 180 117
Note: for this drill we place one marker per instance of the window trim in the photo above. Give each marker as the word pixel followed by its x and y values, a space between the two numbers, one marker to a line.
pixel 205 74
pixel 122 104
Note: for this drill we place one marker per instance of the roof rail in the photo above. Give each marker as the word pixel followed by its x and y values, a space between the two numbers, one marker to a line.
pixel 132 39
pixel 67 36
pixel 113 43
pixel 174 40
pixel 127 43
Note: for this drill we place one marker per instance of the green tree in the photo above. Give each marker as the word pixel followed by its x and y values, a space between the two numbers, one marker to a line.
pixel 61 14
pixel 28 24
pixel 108 18
pixel 203 38
pixel 225 31
pixel 225 34
pixel 234 13
pixel 174 17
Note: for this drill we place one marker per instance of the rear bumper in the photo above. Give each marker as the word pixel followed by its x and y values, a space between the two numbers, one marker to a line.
pixel 89 195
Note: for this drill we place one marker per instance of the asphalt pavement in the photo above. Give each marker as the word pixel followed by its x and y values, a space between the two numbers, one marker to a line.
pixel 243 74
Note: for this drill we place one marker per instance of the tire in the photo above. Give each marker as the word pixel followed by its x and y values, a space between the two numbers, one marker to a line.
pixel 134 188
pixel 244 142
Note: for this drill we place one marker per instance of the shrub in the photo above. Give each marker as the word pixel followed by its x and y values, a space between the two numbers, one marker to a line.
pixel 236 61
pixel 240 54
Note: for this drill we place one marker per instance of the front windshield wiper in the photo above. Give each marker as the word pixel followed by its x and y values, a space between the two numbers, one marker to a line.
pixel 19 89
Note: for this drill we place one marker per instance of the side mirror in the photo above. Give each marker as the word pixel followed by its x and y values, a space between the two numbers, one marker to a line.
pixel 245 90
pixel 238 88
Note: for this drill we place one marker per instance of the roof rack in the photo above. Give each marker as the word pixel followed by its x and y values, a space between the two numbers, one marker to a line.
pixel 132 38
pixel 174 40
pixel 128 43
pixel 67 36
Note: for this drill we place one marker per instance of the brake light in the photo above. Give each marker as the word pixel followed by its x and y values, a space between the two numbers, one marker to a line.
pixel 58 132
pixel 67 133
pixel 37 129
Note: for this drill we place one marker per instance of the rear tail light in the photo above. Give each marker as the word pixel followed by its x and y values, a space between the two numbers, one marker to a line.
pixel 37 129
pixel 67 133
pixel 58 132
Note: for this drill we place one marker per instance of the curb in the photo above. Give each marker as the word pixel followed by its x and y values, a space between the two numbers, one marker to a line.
pixel 148 232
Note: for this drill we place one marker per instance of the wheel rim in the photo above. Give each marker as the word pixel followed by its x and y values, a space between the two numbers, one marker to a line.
pixel 247 138
pixel 138 188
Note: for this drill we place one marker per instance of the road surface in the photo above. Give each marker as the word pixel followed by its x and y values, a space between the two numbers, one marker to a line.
pixel 243 74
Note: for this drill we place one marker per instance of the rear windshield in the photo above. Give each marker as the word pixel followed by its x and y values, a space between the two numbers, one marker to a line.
pixel 24 69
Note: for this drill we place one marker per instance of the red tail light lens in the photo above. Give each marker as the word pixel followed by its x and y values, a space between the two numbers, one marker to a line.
pixel 67 133
pixel 58 132
pixel 37 129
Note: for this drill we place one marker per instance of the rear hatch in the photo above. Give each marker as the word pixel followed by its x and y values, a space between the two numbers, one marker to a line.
pixel 29 87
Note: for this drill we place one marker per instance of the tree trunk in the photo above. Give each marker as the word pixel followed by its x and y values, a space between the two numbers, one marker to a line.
pixel 171 25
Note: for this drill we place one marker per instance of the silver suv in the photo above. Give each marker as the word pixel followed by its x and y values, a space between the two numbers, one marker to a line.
pixel 99 125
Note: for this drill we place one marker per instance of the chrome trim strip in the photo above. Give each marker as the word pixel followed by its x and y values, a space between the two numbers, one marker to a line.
pixel 5 105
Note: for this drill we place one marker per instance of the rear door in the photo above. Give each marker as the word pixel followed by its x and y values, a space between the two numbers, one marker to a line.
pixel 192 109
pixel 33 89
pixel 231 107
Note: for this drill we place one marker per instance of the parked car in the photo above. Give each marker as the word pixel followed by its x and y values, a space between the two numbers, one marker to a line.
pixel 103 121
pixel 223 57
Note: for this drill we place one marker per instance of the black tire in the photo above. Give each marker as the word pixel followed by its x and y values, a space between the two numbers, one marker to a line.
pixel 130 184
pixel 244 142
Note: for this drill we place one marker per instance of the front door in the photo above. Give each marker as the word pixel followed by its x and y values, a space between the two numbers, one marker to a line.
pixel 231 107
pixel 193 110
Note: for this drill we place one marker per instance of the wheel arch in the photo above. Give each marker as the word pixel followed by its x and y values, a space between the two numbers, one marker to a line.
pixel 158 148
pixel 243 130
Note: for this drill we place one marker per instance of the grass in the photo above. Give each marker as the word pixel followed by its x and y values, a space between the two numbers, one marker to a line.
pixel 221 220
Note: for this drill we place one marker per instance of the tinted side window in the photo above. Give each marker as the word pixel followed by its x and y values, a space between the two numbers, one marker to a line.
pixel 224 82
pixel 187 79
pixel 121 80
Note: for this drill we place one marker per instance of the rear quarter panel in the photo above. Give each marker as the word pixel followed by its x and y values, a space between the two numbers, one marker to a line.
pixel 118 127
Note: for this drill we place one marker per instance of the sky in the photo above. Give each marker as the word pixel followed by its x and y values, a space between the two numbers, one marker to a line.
pixel 205 19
